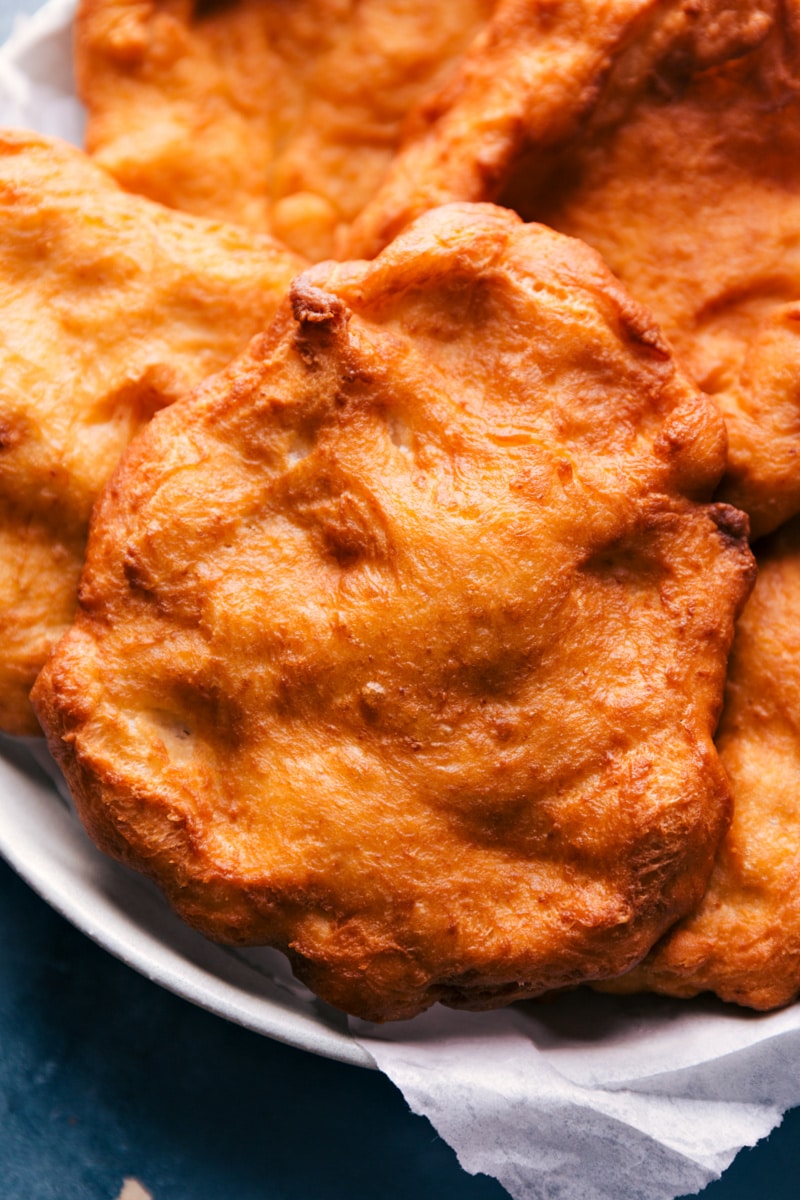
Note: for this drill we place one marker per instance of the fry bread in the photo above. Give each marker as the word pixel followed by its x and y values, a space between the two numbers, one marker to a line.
pixel 402 641
pixel 694 201
pixel 682 169
pixel 528 85
pixel 743 941
pixel 111 308
pixel 282 117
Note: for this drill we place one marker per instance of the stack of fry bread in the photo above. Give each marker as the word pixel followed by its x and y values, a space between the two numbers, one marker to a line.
pixel 400 477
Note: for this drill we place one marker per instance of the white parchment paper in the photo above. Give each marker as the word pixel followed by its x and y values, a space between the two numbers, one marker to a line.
pixel 37 84
pixel 593 1098
pixel 584 1098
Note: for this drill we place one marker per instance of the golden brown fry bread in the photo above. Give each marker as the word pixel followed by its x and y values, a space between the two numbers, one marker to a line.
pixel 283 117
pixel 529 83
pixel 401 642
pixel 743 941
pixel 111 308
pixel 684 172
pixel 694 201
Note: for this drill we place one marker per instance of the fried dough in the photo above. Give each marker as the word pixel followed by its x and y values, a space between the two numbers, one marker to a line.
pixel 527 86
pixel 283 117
pixel 743 941
pixel 683 170
pixel 112 307
pixel 694 201
pixel 401 642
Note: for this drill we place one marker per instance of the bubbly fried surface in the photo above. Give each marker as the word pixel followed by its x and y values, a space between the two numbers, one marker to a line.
pixel 283 117
pixel 682 169
pixel 693 199
pixel 743 941
pixel 401 643
pixel 111 308
pixel 529 83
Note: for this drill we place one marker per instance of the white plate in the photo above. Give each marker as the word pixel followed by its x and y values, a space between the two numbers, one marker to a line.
pixel 45 843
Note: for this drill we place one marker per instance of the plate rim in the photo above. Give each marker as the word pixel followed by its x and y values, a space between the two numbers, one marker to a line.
pixel 28 862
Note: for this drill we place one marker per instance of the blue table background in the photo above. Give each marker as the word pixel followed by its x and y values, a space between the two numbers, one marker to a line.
pixel 103 1075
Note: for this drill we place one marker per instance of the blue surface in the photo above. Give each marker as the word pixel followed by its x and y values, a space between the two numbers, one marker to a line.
pixel 8 10
pixel 104 1075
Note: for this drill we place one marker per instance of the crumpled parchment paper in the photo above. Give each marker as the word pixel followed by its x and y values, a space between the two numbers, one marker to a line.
pixel 586 1097
pixel 590 1097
